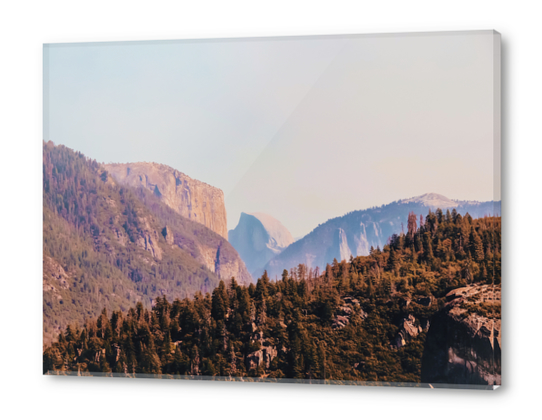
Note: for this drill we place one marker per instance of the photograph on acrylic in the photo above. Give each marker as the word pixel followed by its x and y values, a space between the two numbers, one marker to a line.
pixel 312 209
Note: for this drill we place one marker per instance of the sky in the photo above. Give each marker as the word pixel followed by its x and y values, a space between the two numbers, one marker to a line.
pixel 301 128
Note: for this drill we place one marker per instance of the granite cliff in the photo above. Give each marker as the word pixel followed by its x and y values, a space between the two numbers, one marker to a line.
pixel 206 246
pixel 189 197
pixel 463 344
pixel 258 238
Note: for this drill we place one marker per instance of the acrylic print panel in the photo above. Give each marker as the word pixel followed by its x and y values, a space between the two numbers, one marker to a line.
pixel 321 209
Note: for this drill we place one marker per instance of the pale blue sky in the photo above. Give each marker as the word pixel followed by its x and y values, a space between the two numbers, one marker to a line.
pixel 303 129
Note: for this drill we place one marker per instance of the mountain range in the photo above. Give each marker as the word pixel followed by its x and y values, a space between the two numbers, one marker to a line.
pixel 356 232
pixel 118 234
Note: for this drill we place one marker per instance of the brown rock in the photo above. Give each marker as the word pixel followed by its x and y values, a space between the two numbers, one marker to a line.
pixel 54 273
pixel 225 264
pixel 409 329
pixel 148 239
pixel 263 356
pixel 168 235
pixel 189 197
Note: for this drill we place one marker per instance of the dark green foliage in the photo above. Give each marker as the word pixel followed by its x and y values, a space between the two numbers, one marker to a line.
pixel 296 320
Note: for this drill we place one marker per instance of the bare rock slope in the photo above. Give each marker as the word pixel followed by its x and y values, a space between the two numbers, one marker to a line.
pixel 189 197
pixel 463 344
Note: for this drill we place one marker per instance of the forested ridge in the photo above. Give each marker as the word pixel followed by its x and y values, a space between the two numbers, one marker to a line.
pixel 104 244
pixel 362 320
pixel 356 231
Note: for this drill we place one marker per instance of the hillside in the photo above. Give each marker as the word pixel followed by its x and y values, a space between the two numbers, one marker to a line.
pixel 356 232
pixel 361 320
pixel 258 238
pixel 108 246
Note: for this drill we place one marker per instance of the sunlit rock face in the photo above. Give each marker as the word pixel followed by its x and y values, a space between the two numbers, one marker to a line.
pixel 189 197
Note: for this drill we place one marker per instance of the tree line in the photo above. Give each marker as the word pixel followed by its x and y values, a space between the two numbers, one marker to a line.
pixel 340 323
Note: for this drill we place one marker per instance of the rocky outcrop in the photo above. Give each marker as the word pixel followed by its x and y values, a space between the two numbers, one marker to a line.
pixel 201 243
pixel 148 239
pixel 409 328
pixel 463 344
pixel 356 232
pixel 258 238
pixel 349 307
pixel 262 357
pixel 54 276
pixel 189 197
pixel 224 261
pixel 168 235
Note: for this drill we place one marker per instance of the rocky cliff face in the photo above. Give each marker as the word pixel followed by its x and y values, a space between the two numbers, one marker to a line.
pixel 258 238
pixel 148 239
pixel 204 245
pixel 463 344
pixel 189 197
pixel 221 259
pixel 356 232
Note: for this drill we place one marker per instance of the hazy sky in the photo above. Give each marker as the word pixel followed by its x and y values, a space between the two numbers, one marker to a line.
pixel 303 129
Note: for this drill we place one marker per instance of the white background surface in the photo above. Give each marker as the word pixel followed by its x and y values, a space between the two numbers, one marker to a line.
pixel 24 26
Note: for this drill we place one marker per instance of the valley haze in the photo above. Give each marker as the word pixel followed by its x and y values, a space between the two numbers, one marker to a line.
pixel 325 124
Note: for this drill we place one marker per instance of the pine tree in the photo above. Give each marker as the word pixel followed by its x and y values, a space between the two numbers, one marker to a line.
pixel 393 260
pixel 428 248
pixel 219 307
pixel 476 246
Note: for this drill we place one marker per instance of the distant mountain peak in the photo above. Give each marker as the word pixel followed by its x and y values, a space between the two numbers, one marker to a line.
pixel 276 230
pixel 259 237
pixel 356 232
pixel 431 200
